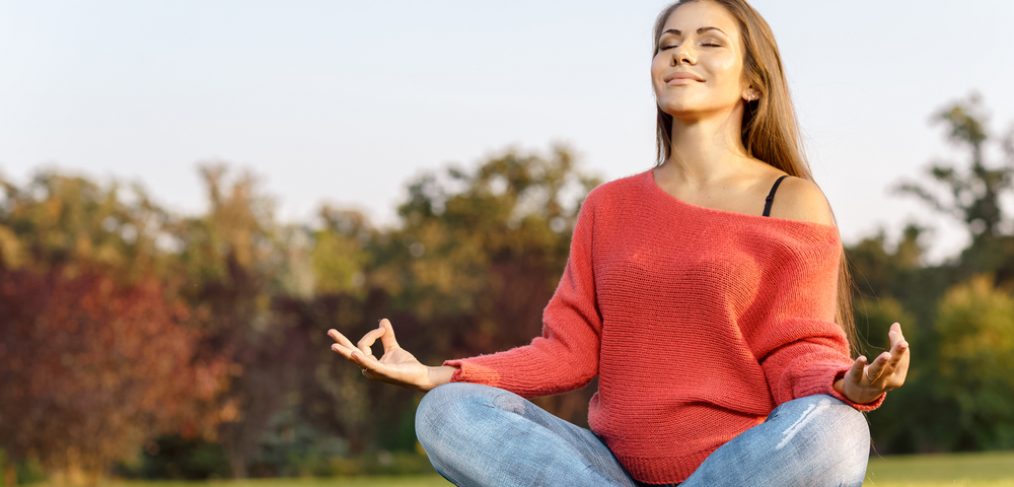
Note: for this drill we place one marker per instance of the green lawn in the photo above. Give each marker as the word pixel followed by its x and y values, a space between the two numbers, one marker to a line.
pixel 994 469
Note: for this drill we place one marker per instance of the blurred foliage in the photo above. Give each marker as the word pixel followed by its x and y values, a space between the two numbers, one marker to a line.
pixel 95 343
pixel 975 326
pixel 173 456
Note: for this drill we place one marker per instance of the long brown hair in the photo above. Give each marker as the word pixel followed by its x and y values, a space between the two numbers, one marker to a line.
pixel 770 128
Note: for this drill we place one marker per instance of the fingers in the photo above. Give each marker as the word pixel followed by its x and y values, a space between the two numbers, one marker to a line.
pixel 384 331
pixel 898 364
pixel 388 337
pixel 372 368
pixel 898 352
pixel 878 367
pixel 368 339
pixel 343 345
pixel 856 372
pixel 898 349
pixel 888 368
pixel 895 336
pixel 885 363
pixel 353 354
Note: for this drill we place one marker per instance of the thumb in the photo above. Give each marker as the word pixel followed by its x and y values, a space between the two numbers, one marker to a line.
pixel 388 339
pixel 855 374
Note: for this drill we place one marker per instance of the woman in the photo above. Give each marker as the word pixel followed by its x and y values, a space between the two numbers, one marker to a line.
pixel 713 327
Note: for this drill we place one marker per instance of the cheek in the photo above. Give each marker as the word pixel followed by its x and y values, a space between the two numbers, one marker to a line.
pixel 658 70
pixel 658 66
pixel 727 69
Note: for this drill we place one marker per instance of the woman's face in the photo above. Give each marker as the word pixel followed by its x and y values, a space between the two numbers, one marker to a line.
pixel 701 39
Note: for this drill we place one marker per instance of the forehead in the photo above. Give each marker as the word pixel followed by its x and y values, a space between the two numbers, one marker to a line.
pixel 687 18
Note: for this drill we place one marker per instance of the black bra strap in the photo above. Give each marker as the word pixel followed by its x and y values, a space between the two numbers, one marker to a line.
pixel 771 195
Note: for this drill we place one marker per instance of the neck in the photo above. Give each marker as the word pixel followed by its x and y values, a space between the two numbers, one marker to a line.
pixel 707 150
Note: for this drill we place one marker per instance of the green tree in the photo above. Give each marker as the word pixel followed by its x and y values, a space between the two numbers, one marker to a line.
pixel 63 220
pixel 975 325
pixel 340 252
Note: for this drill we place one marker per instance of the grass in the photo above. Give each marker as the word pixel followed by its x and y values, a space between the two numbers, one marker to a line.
pixel 992 469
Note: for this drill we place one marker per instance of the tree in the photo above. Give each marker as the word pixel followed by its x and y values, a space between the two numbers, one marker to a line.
pixel 92 368
pixel 975 195
pixel 237 261
pixel 63 220
pixel 976 362
pixel 483 251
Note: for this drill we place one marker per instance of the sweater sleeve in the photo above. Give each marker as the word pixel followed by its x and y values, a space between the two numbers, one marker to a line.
pixel 566 355
pixel 794 336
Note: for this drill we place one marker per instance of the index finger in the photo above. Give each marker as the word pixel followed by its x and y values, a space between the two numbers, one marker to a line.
pixel 338 337
pixel 342 345
pixel 369 339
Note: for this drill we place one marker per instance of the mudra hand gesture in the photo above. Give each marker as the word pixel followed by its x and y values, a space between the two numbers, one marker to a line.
pixel 863 383
pixel 396 366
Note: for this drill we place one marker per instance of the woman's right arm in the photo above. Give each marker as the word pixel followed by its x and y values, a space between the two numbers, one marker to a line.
pixel 565 356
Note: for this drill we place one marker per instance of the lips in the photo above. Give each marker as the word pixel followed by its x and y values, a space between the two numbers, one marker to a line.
pixel 682 75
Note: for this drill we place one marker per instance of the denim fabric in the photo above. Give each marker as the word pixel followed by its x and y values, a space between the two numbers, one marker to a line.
pixel 477 435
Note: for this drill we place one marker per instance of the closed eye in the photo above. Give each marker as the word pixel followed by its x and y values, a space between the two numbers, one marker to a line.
pixel 706 44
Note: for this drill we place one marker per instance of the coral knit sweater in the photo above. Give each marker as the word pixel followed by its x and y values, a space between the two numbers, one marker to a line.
pixel 697 321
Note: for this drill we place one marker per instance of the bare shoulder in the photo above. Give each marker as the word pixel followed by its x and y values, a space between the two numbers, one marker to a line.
pixel 801 199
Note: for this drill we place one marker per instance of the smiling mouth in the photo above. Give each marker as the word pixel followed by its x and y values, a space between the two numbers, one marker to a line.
pixel 682 81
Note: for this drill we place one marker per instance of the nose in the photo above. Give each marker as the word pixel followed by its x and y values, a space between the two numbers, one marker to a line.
pixel 680 54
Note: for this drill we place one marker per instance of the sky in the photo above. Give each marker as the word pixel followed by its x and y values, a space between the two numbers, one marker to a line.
pixel 345 102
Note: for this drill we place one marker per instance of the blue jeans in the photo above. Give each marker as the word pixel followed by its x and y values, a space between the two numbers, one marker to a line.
pixel 477 435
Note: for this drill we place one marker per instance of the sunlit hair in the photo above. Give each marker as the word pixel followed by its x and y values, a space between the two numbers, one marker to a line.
pixel 770 129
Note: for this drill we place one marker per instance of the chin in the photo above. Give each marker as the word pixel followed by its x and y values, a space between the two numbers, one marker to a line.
pixel 680 108
pixel 692 108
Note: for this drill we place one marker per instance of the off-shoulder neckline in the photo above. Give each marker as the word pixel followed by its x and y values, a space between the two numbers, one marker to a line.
pixel 648 177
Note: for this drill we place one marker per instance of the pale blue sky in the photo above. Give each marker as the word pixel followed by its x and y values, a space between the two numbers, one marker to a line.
pixel 345 101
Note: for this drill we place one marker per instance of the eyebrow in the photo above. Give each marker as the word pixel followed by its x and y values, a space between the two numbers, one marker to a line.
pixel 699 31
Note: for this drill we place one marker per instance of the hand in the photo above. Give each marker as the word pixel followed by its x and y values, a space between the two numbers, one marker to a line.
pixel 865 383
pixel 396 366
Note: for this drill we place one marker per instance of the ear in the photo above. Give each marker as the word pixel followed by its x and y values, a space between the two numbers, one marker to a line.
pixel 751 94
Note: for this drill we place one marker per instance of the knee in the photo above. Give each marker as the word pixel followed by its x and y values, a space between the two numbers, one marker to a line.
pixel 441 406
pixel 836 435
pixel 830 422
pixel 849 426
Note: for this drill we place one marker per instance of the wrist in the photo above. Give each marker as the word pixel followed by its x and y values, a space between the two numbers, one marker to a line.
pixel 858 398
pixel 839 385
pixel 436 376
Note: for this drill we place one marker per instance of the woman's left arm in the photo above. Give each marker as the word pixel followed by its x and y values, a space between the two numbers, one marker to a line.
pixel 864 383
